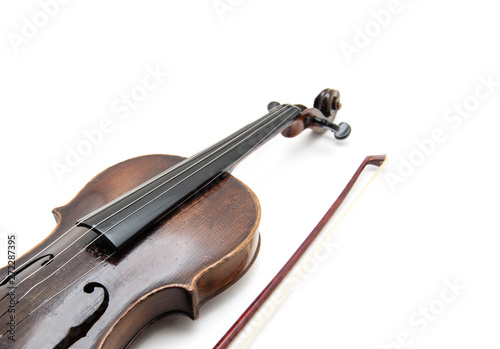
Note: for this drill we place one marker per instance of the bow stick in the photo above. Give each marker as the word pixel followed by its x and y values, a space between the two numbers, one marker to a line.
pixel 376 160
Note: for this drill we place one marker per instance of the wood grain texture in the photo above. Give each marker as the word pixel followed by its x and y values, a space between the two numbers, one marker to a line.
pixel 189 257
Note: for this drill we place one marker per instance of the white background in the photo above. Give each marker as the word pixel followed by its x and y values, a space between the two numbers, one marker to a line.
pixel 429 220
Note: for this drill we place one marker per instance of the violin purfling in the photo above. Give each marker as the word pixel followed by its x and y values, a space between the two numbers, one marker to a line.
pixel 188 220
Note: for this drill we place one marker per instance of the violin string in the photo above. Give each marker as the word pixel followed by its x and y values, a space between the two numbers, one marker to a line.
pixel 59 292
pixel 83 249
pixel 183 179
pixel 141 186
pixel 98 264
pixel 64 289
pixel 191 174
pixel 186 169
pixel 79 278
pixel 29 261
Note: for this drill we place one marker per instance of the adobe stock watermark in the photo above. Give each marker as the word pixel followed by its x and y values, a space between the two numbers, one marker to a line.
pixel 121 108
pixel 223 7
pixel 30 26
pixel 453 118
pixel 363 35
pixel 319 253
pixel 420 320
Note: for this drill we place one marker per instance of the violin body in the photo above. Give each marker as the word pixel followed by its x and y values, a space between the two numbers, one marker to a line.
pixel 150 236
pixel 99 300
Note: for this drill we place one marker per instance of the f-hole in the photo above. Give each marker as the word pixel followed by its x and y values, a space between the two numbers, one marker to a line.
pixel 80 331
pixel 43 260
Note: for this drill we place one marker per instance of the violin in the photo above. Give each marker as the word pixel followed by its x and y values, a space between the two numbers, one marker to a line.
pixel 188 220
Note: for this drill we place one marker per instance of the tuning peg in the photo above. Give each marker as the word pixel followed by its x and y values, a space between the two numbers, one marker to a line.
pixel 341 131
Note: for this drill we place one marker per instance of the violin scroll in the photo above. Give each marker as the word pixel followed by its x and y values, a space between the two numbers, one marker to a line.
pixel 320 117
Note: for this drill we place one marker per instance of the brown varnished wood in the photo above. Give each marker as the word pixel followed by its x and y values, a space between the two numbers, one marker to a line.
pixel 71 293
pixel 189 257
pixel 326 105
pixel 244 319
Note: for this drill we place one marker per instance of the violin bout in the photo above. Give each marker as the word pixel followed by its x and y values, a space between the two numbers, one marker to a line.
pixel 203 247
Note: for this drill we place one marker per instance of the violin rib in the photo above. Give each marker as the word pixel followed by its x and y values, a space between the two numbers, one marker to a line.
pixel 147 237
pixel 200 250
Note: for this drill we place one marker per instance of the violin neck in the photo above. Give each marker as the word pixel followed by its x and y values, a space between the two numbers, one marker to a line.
pixel 226 153
pixel 122 220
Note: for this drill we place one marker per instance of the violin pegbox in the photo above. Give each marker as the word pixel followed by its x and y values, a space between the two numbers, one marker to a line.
pixel 320 117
